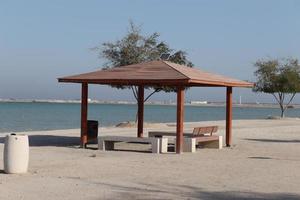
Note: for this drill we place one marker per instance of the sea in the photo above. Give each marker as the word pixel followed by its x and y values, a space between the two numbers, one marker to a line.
pixel 32 116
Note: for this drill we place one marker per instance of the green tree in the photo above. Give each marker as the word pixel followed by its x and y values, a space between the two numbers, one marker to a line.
pixel 135 48
pixel 280 78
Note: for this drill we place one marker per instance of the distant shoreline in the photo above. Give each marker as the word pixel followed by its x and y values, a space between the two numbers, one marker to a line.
pixel 162 103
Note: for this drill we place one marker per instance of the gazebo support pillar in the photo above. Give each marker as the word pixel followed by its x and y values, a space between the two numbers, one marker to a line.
pixel 84 114
pixel 228 116
pixel 180 116
pixel 140 111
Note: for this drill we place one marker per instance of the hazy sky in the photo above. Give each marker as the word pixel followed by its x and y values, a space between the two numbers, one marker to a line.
pixel 43 40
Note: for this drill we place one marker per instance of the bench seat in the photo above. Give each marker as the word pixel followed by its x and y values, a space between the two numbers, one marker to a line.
pixel 158 145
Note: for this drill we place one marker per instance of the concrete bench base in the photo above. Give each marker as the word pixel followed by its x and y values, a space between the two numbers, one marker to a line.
pixel 189 144
pixel 190 141
pixel 158 145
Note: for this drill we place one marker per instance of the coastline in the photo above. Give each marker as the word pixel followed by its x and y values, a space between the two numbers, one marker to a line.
pixel 161 103
pixel 153 125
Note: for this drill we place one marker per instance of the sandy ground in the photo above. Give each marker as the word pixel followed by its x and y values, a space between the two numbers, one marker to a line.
pixel 264 163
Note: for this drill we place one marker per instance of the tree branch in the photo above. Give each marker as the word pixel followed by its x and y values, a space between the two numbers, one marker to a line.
pixel 281 98
pixel 134 93
pixel 291 99
pixel 274 95
pixel 156 90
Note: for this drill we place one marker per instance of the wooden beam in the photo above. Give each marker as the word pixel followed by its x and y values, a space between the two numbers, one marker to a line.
pixel 140 111
pixel 229 116
pixel 84 114
pixel 180 118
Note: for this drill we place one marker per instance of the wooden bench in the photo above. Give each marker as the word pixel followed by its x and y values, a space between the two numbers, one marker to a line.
pixel 158 145
pixel 206 130
pixel 201 136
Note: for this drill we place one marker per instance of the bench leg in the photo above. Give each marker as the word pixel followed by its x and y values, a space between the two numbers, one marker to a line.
pixel 218 144
pixel 155 145
pixel 105 145
pixel 101 145
pixel 163 145
pixel 189 145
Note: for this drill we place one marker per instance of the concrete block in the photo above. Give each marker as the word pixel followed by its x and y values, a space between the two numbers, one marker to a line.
pixel 101 145
pixel 163 145
pixel 189 145
pixel 155 145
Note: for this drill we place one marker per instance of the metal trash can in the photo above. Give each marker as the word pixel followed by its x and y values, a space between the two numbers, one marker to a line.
pixel 16 153
pixel 92 126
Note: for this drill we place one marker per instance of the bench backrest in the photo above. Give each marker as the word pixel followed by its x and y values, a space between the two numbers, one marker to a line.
pixel 201 131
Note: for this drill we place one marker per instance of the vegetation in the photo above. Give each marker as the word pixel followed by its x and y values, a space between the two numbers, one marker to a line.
pixel 280 78
pixel 135 48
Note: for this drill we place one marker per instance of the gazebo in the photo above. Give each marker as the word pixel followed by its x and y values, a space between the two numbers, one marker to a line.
pixel 156 73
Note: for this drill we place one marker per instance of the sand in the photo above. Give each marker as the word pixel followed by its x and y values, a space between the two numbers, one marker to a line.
pixel 263 163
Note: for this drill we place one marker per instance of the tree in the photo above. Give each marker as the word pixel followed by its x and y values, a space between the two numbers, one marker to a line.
pixel 135 48
pixel 280 78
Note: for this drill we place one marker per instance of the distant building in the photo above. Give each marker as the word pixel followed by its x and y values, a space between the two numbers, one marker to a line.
pixel 198 102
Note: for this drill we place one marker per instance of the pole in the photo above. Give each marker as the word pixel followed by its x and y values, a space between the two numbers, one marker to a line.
pixel 228 116
pixel 140 111
pixel 84 113
pixel 180 116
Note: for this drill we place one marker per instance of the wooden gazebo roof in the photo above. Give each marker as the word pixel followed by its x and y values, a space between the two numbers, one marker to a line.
pixel 155 73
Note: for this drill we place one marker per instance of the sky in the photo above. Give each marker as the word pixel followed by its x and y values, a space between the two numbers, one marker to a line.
pixel 43 40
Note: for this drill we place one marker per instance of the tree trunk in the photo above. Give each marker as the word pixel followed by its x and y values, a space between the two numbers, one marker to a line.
pixel 136 116
pixel 135 93
pixel 282 109
pixel 282 113
pixel 280 101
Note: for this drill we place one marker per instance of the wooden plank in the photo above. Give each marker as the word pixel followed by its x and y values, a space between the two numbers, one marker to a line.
pixel 180 115
pixel 140 111
pixel 206 138
pixel 198 131
pixel 229 116
pixel 84 113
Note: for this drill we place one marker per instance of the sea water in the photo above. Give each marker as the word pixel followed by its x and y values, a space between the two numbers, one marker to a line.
pixel 52 116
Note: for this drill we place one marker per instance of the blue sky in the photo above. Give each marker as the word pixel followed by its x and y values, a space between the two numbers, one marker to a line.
pixel 43 40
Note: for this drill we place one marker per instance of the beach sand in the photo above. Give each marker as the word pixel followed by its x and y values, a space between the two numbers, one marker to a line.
pixel 263 163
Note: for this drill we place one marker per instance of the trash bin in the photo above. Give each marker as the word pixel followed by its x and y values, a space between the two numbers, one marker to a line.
pixel 16 154
pixel 92 126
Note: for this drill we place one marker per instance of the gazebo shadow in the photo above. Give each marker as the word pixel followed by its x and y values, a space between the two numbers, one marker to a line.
pixel 273 140
pixel 170 191
pixel 51 140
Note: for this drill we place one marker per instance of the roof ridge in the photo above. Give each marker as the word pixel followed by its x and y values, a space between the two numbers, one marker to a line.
pixel 167 63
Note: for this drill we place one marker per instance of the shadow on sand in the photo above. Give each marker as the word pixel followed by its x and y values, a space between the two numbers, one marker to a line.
pixel 65 141
pixel 50 140
pixel 273 140
pixel 170 191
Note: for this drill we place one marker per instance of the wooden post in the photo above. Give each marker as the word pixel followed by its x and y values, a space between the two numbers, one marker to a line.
pixel 84 114
pixel 228 116
pixel 140 111
pixel 180 116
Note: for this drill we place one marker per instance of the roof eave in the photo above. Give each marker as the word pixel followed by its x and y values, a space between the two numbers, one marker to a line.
pixel 168 82
pixel 220 83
